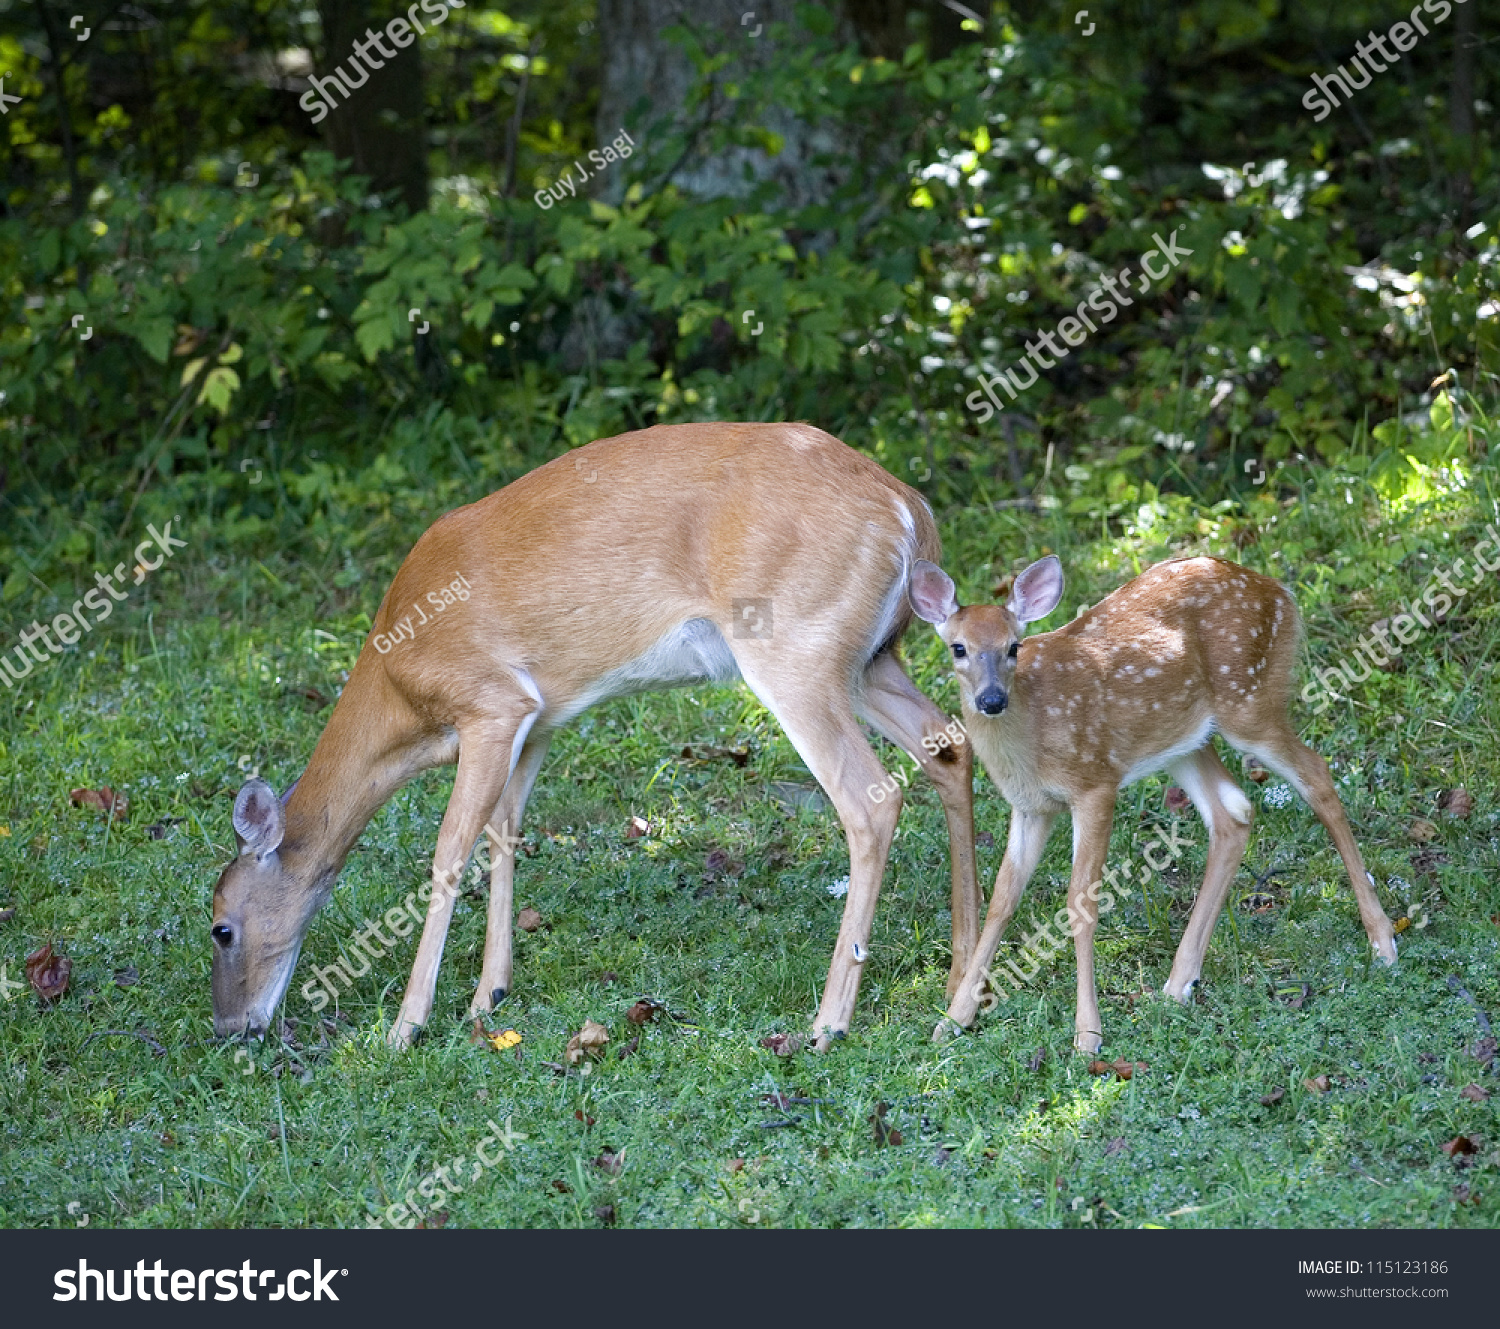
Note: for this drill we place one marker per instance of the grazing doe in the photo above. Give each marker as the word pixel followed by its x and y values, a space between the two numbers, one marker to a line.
pixel 680 554
pixel 1139 683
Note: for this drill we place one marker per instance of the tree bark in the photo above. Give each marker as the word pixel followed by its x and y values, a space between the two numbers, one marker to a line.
pixel 380 127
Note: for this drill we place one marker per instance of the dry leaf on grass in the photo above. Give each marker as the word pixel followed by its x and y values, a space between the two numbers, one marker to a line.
pixel 610 1161
pixel 1115 1146
pixel 1177 800
pixel 735 1165
pixel 1122 1068
pixel 605 1213
pixel 528 920
pixel 1421 831
pixel 644 1011
pixel 638 827
pixel 628 1048
pixel 48 972
pixel 783 1045
pixel 885 1134
pixel 1483 1049
pixel 1457 1146
pixel 6 915
pixel 1456 803
pixel 1318 1084
pixel 104 798
pixel 1474 1093
pixel 1273 1098
pixel 587 1044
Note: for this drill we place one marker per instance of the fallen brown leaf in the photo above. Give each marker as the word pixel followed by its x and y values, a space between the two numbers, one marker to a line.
pixel 1483 1049
pixel 1462 1194
pixel 610 1161
pixel 1474 1093
pixel 561 1187
pixel 1457 1146
pixel 985 840
pixel 528 920
pixel 1274 1097
pixel 638 827
pixel 587 1044
pixel 735 1165
pixel 104 798
pixel 6 915
pixel 1115 1146
pixel 127 977
pixel 1421 831
pixel 1456 803
pixel 1256 773
pixel 605 1213
pixel 885 1134
pixel 784 1045
pixel 1177 800
pixel 1318 1084
pixel 628 1048
pixel 583 1117
pixel 48 972
pixel 644 1011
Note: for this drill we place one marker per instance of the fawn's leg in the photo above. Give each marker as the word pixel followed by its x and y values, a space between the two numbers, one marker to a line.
pixel 1093 815
pixel 1307 773
pixel 1227 813
pixel 892 703
pixel 1023 851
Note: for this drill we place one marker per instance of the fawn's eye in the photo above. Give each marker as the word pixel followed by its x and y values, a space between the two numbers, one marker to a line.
pixel 959 650
pixel 222 935
pixel 1015 647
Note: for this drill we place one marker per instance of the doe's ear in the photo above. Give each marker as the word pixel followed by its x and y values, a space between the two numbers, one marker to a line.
pixel 931 593
pixel 1037 590
pixel 259 822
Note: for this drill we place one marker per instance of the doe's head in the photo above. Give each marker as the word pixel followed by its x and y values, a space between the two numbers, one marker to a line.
pixel 259 917
pixel 983 640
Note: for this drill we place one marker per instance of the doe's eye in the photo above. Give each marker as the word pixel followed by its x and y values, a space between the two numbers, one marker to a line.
pixel 959 650
pixel 1015 648
pixel 222 934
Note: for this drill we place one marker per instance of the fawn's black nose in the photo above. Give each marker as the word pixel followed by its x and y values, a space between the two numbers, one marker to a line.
pixel 990 702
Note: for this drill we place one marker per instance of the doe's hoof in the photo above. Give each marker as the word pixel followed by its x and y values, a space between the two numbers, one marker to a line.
pixel 946 1029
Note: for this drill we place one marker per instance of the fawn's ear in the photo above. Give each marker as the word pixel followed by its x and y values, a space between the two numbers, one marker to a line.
pixel 1037 590
pixel 259 822
pixel 931 592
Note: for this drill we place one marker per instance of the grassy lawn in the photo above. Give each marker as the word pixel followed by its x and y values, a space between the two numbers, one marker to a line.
pixel 723 912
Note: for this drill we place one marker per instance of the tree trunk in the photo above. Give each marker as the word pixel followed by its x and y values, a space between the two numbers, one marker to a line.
pixel 1461 113
pixel 379 125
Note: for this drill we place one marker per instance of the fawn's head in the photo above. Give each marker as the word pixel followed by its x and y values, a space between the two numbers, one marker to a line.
pixel 260 914
pixel 983 640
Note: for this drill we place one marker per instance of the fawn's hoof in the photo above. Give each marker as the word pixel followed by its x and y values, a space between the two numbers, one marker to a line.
pixel 946 1030
pixel 1089 1042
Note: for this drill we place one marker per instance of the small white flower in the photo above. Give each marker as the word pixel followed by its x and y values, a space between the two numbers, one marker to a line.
pixel 839 888
pixel 1278 795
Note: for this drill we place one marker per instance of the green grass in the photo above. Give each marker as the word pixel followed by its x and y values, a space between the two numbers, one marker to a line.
pixel 198 678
